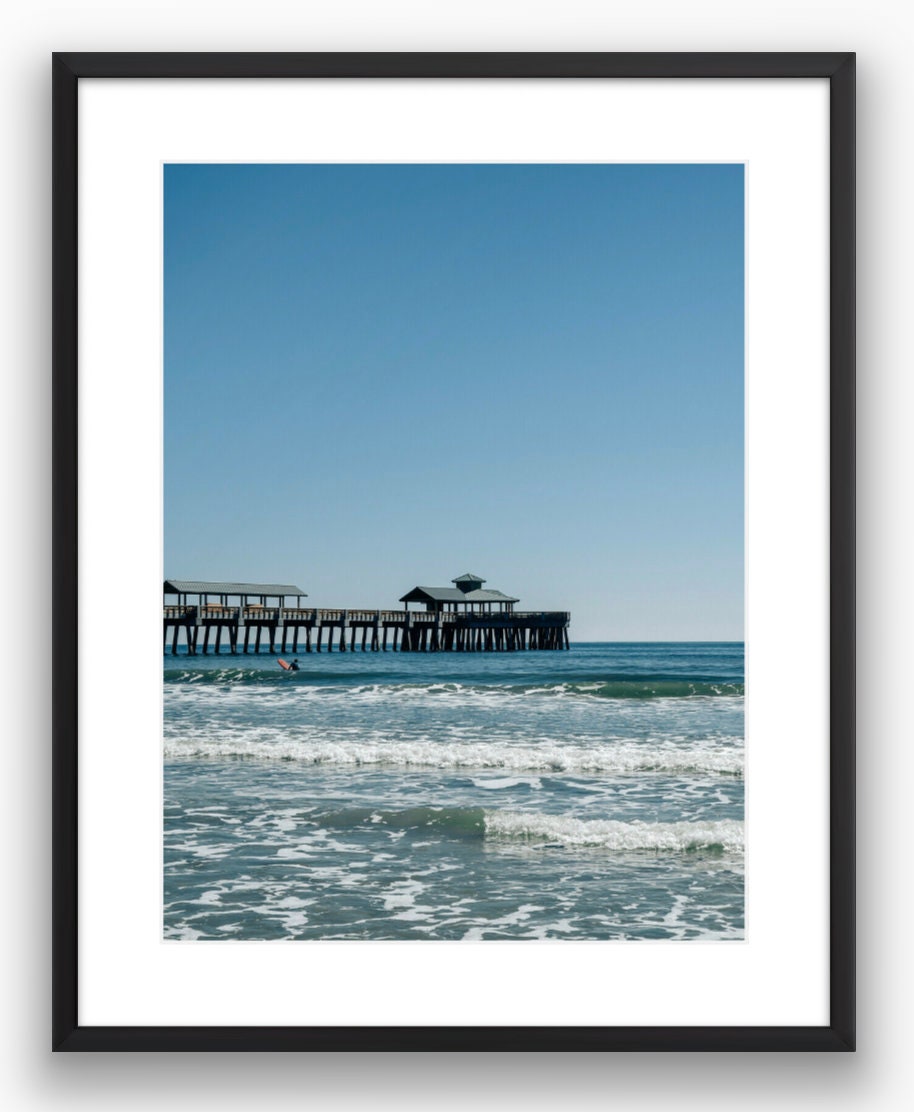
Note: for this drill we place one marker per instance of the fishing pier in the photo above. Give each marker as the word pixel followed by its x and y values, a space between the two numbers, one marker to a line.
pixel 463 618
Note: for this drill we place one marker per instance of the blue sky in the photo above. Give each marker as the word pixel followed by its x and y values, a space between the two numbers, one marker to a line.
pixel 378 376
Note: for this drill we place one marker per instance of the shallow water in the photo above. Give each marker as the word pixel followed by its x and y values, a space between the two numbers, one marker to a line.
pixel 595 793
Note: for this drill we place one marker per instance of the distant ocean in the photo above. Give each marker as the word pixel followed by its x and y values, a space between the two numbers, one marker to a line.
pixel 590 794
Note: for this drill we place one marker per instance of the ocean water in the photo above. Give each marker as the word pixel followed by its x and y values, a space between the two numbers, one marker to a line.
pixel 595 793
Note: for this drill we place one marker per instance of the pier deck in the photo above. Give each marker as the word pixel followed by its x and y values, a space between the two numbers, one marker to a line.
pixel 297 629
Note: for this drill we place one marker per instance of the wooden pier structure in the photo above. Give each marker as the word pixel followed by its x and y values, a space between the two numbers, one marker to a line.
pixel 457 623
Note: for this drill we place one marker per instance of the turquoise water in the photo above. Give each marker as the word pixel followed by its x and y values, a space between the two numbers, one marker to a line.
pixel 589 794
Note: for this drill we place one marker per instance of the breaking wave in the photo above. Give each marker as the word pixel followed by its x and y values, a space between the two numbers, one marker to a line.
pixel 316 682
pixel 725 836
pixel 618 757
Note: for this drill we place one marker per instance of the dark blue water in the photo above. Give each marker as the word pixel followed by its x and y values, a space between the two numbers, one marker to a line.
pixel 595 793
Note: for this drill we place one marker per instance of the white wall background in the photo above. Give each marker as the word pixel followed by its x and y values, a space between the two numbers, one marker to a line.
pixel 879 1075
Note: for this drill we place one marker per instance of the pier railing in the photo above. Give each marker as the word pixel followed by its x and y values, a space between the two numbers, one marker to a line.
pixel 310 614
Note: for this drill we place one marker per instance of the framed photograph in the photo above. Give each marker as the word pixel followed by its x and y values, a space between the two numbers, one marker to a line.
pixel 486 422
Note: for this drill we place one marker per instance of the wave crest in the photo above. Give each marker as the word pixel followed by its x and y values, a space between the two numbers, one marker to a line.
pixel 624 758
pixel 724 836
pixel 315 683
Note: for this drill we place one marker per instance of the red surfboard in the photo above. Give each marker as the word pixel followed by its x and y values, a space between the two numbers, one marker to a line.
pixel 284 664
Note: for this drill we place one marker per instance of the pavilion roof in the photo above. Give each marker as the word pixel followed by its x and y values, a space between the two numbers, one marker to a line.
pixel 205 587
pixel 454 594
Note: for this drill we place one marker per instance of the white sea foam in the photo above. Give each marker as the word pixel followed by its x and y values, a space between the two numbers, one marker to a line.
pixel 402 894
pixel 512 919
pixel 509 782
pixel 670 837
pixel 711 758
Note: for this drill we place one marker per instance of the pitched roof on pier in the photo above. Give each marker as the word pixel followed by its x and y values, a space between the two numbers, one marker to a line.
pixel 202 587
pixel 454 594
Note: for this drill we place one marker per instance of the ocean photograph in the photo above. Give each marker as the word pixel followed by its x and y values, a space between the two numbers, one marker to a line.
pixel 381 376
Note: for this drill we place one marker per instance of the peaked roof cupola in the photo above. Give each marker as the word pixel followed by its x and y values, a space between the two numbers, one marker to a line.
pixel 468 582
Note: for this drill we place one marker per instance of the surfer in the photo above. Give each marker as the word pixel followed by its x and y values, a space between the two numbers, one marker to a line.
pixel 287 666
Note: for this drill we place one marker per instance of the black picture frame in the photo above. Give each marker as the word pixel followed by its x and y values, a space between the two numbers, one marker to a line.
pixel 68 70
